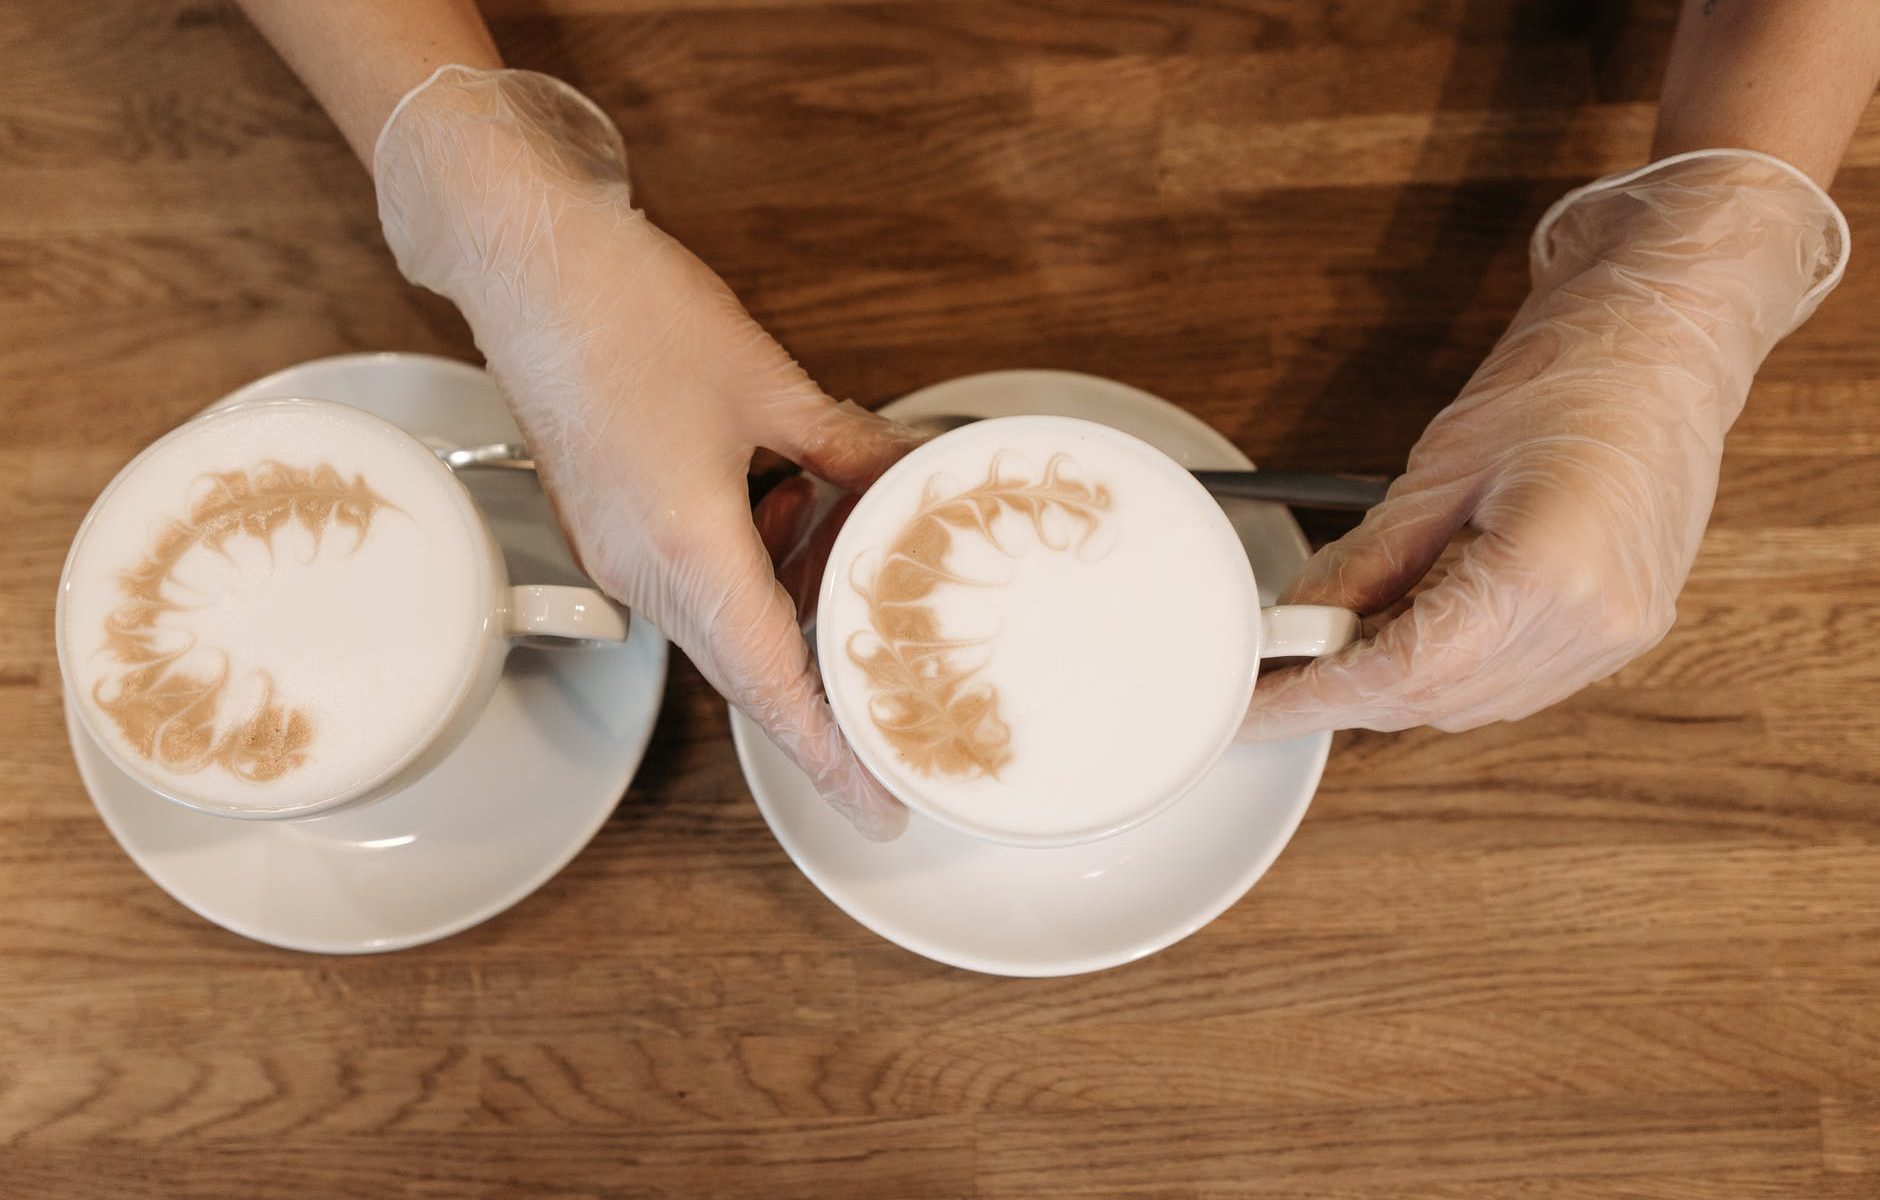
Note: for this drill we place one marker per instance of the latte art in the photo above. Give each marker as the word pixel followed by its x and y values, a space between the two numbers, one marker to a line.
pixel 168 709
pixel 1037 627
pixel 926 698
pixel 275 606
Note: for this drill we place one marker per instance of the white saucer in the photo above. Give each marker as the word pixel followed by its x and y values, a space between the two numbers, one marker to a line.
pixel 1009 911
pixel 534 781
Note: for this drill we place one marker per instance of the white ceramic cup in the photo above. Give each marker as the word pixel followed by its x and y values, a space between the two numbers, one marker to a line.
pixel 499 614
pixel 1207 728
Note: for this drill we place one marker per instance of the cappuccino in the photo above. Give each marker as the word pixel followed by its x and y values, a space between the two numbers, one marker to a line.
pixel 1037 629
pixel 276 605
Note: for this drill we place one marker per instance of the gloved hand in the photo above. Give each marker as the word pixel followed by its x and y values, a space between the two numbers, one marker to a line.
pixel 1583 454
pixel 641 385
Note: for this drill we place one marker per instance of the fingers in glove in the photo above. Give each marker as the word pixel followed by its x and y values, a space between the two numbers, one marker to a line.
pixel 1453 654
pixel 1522 622
pixel 1376 564
pixel 783 517
pixel 844 443
pixel 751 649
pixel 799 521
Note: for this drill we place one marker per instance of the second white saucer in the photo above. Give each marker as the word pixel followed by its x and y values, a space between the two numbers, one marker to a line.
pixel 1010 911
pixel 535 779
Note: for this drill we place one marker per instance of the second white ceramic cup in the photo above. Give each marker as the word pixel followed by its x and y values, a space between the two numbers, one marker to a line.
pixel 1283 631
pixel 505 615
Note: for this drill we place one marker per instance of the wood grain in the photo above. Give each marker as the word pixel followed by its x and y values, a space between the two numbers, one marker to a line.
pixel 1626 948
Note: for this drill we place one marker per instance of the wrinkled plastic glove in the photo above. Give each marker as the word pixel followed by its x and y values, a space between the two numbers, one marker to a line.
pixel 640 382
pixel 1583 455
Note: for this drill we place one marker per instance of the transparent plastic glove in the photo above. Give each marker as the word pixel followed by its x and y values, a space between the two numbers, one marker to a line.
pixel 1583 454
pixel 641 385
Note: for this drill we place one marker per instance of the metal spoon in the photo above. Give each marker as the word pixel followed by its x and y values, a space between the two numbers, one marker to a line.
pixel 1300 489
pixel 497 456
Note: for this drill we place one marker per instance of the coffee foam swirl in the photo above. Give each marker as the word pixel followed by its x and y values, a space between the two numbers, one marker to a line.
pixel 171 714
pixel 1036 626
pixel 927 701
pixel 273 606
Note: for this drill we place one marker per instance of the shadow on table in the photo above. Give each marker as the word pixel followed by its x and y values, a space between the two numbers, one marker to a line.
pixel 1441 259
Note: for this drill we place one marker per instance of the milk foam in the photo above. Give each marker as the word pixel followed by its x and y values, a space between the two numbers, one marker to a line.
pixel 1112 634
pixel 357 610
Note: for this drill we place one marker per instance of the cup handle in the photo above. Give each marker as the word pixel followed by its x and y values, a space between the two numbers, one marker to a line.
pixel 549 615
pixel 1305 630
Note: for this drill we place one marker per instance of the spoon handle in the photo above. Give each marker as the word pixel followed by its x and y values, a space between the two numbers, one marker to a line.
pixel 1300 489
pixel 500 456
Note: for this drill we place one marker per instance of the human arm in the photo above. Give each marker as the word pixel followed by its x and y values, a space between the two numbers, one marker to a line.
pixel 1787 77
pixel 1583 456
pixel 358 57
pixel 641 384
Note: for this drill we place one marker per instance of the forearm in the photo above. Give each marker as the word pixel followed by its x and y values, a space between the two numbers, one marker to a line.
pixel 358 57
pixel 1786 77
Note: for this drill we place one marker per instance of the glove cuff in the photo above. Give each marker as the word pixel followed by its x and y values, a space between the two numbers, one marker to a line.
pixel 1717 204
pixel 531 99
pixel 474 167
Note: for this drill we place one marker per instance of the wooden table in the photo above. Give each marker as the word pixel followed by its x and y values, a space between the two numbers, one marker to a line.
pixel 1627 948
